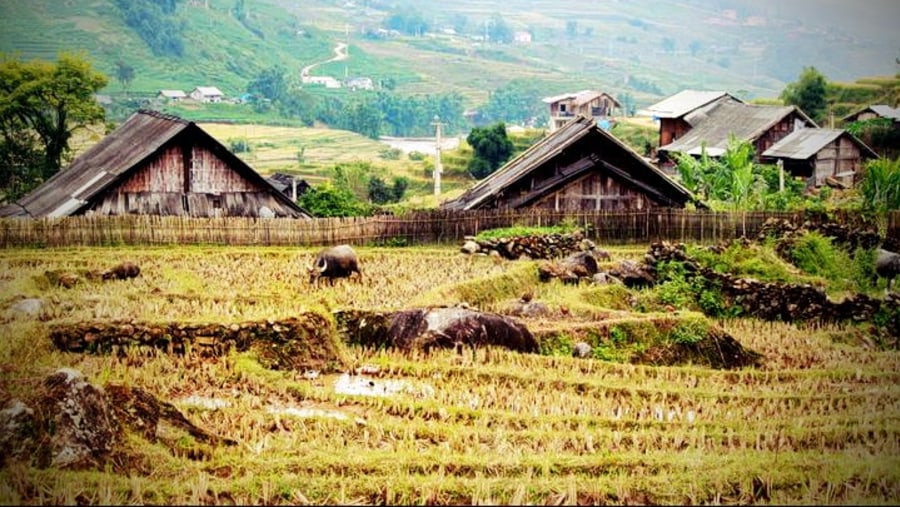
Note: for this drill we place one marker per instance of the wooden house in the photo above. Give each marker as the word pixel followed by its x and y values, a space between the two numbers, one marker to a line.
pixel 587 103
pixel 207 94
pixel 578 167
pixel 712 127
pixel 874 112
pixel 289 185
pixel 156 164
pixel 821 156
pixel 672 111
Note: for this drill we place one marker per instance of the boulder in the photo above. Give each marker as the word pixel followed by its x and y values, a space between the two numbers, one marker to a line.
pixel 444 327
pixel 582 350
pixel 30 306
pixel 84 430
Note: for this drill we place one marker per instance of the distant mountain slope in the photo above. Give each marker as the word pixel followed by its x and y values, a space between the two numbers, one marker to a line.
pixel 646 48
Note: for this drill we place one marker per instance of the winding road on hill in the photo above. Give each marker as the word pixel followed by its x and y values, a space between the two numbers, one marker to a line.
pixel 340 53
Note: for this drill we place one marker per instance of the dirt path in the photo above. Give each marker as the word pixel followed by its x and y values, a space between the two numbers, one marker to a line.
pixel 340 53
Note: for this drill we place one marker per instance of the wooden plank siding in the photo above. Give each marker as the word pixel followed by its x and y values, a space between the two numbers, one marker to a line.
pixel 841 159
pixel 776 133
pixel 595 191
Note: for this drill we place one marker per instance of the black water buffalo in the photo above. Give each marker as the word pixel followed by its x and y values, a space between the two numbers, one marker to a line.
pixel 887 265
pixel 335 262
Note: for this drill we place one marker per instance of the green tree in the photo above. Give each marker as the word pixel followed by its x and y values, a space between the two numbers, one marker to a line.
pixel 156 24
pixel 124 74
pixel 498 30
pixel 46 103
pixel 491 148
pixel 270 83
pixel 379 192
pixel 330 200
pixel 401 183
pixel 807 93
pixel 518 101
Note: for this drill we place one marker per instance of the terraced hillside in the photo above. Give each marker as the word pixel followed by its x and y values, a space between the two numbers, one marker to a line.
pixel 815 422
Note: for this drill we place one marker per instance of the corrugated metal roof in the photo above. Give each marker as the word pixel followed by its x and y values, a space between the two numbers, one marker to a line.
pixel 881 110
pixel 805 143
pixel 715 125
pixel 548 148
pixel 684 102
pixel 209 91
pixel 886 111
pixel 138 138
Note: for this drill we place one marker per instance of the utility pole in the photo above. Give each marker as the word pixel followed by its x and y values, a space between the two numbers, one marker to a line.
pixel 438 168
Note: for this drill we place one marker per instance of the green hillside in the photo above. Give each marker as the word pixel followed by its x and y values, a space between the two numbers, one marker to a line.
pixel 644 48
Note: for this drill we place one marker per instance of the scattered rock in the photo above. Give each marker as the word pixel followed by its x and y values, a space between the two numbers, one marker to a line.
pixel 426 328
pixel 84 430
pixel 17 431
pixel 30 306
pixel 123 271
pixel 582 350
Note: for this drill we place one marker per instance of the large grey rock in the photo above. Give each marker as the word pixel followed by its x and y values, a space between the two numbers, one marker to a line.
pixel 17 431
pixel 84 429
pixel 469 247
pixel 582 350
pixel 30 307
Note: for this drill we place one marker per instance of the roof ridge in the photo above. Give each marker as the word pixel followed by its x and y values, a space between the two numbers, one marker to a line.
pixel 163 116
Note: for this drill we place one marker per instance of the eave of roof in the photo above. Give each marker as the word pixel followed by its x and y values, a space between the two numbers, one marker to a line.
pixel 684 102
pixel 540 153
pixel 805 143
pixel 715 126
pixel 116 156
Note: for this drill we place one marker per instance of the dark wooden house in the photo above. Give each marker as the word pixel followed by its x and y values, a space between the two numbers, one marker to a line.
pixel 672 111
pixel 821 156
pixel 289 185
pixel 578 167
pixel 156 164
pixel 712 127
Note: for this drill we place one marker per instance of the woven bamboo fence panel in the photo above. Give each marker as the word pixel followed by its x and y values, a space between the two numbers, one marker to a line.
pixel 424 227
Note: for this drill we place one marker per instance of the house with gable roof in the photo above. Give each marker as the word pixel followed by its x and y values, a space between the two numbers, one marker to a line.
pixel 588 103
pixel 207 94
pixel 821 156
pixel 671 111
pixel 156 164
pixel 712 126
pixel 578 167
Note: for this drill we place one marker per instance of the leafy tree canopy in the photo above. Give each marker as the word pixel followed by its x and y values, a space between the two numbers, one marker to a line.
pixel 491 147
pixel 155 22
pixel 807 93
pixel 41 105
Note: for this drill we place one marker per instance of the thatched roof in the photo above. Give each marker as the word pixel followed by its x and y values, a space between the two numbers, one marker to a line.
pixel 637 172
pixel 102 166
pixel 714 126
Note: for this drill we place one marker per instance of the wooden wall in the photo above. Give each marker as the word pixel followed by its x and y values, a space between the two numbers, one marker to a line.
pixel 209 188
pixel 841 159
pixel 777 132
pixel 596 191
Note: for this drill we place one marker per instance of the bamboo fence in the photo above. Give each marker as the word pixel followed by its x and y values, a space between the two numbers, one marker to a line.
pixel 424 227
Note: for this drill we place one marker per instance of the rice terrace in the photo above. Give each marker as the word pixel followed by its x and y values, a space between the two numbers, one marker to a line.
pixel 645 373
